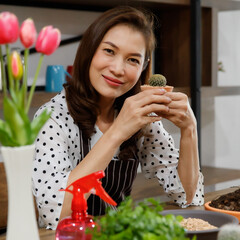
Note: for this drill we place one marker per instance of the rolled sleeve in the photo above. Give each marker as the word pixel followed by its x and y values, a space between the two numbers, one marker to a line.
pixel 159 159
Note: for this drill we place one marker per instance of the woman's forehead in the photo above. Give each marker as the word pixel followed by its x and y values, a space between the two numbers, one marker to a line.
pixel 125 36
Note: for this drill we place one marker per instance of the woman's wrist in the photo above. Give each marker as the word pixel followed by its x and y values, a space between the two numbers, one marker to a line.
pixel 189 130
pixel 114 136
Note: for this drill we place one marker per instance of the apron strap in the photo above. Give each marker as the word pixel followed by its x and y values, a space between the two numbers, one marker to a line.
pixel 119 176
pixel 84 144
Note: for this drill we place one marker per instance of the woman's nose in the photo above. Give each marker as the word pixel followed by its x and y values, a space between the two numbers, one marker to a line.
pixel 117 66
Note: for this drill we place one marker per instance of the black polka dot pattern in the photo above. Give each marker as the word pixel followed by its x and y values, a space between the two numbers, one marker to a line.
pixel 159 159
pixel 58 152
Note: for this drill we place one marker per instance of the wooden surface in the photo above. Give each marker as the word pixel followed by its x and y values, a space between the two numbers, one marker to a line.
pixel 173 52
pixel 39 98
pixel 97 5
pixel 42 97
pixel 150 188
pixel 3 197
pixel 93 5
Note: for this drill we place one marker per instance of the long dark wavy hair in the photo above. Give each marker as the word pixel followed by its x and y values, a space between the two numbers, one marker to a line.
pixel 82 98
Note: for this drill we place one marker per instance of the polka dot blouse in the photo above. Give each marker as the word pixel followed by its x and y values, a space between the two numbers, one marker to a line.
pixel 58 152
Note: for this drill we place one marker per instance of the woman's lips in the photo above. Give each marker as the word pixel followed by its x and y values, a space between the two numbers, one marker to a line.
pixel 112 81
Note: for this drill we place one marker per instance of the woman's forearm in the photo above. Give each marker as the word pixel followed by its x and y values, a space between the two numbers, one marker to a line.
pixel 188 167
pixel 97 159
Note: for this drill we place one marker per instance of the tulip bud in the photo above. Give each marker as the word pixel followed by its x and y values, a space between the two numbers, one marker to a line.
pixel 9 28
pixel 16 65
pixel 28 33
pixel 48 40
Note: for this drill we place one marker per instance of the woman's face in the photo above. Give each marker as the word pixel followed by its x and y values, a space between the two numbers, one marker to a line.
pixel 118 61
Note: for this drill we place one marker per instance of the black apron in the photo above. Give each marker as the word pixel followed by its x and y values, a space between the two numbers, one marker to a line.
pixel 118 180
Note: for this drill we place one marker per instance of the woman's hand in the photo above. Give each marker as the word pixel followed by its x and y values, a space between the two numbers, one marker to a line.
pixel 136 110
pixel 180 112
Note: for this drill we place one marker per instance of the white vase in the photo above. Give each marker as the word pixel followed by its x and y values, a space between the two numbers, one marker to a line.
pixel 21 224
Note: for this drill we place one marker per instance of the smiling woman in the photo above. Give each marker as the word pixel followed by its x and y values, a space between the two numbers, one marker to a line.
pixel 102 121
pixel 117 64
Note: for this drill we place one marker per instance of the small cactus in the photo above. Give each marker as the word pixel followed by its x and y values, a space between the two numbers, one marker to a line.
pixel 229 232
pixel 157 80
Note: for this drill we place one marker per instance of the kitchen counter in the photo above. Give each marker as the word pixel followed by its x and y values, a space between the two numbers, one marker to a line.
pixel 50 235
pixel 217 182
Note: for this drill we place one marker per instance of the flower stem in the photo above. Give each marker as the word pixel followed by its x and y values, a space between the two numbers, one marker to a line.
pixel 10 78
pixel 34 83
pixel 17 84
pixel 3 76
pixel 25 74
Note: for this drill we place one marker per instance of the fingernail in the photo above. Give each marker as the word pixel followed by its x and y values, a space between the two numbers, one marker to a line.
pixel 162 90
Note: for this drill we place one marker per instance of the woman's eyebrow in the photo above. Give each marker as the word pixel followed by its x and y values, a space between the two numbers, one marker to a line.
pixel 114 46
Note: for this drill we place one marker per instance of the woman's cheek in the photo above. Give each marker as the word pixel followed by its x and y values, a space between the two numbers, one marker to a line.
pixel 134 74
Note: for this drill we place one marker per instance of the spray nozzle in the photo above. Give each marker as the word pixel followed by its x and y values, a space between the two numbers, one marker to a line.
pixel 89 183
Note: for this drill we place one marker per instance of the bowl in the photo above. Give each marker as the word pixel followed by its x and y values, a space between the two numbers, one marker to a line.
pixel 215 218
pixel 233 213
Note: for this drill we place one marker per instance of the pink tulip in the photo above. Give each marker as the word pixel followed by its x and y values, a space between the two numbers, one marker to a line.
pixel 16 65
pixel 28 33
pixel 9 28
pixel 48 40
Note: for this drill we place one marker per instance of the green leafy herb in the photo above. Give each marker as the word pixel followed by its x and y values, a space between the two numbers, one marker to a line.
pixel 141 222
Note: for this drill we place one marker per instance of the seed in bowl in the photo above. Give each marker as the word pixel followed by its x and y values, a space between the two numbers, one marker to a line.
pixel 196 224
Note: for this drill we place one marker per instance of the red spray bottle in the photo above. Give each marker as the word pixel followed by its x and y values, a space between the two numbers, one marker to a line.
pixel 73 227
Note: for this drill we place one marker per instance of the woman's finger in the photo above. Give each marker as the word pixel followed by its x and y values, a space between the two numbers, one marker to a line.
pixel 147 96
pixel 178 105
pixel 176 96
pixel 154 108
pixel 146 100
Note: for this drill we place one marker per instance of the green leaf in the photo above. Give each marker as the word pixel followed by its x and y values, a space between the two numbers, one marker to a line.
pixel 150 236
pixel 141 222
pixel 17 121
pixel 125 234
pixel 38 123
pixel 5 135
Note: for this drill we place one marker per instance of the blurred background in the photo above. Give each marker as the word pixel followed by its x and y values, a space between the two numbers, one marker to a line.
pixel 220 38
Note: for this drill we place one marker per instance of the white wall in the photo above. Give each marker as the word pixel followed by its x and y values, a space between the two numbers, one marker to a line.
pixel 228 47
pixel 220 115
pixel 220 132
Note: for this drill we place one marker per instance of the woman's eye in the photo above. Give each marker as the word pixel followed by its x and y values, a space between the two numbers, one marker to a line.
pixel 108 50
pixel 134 60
